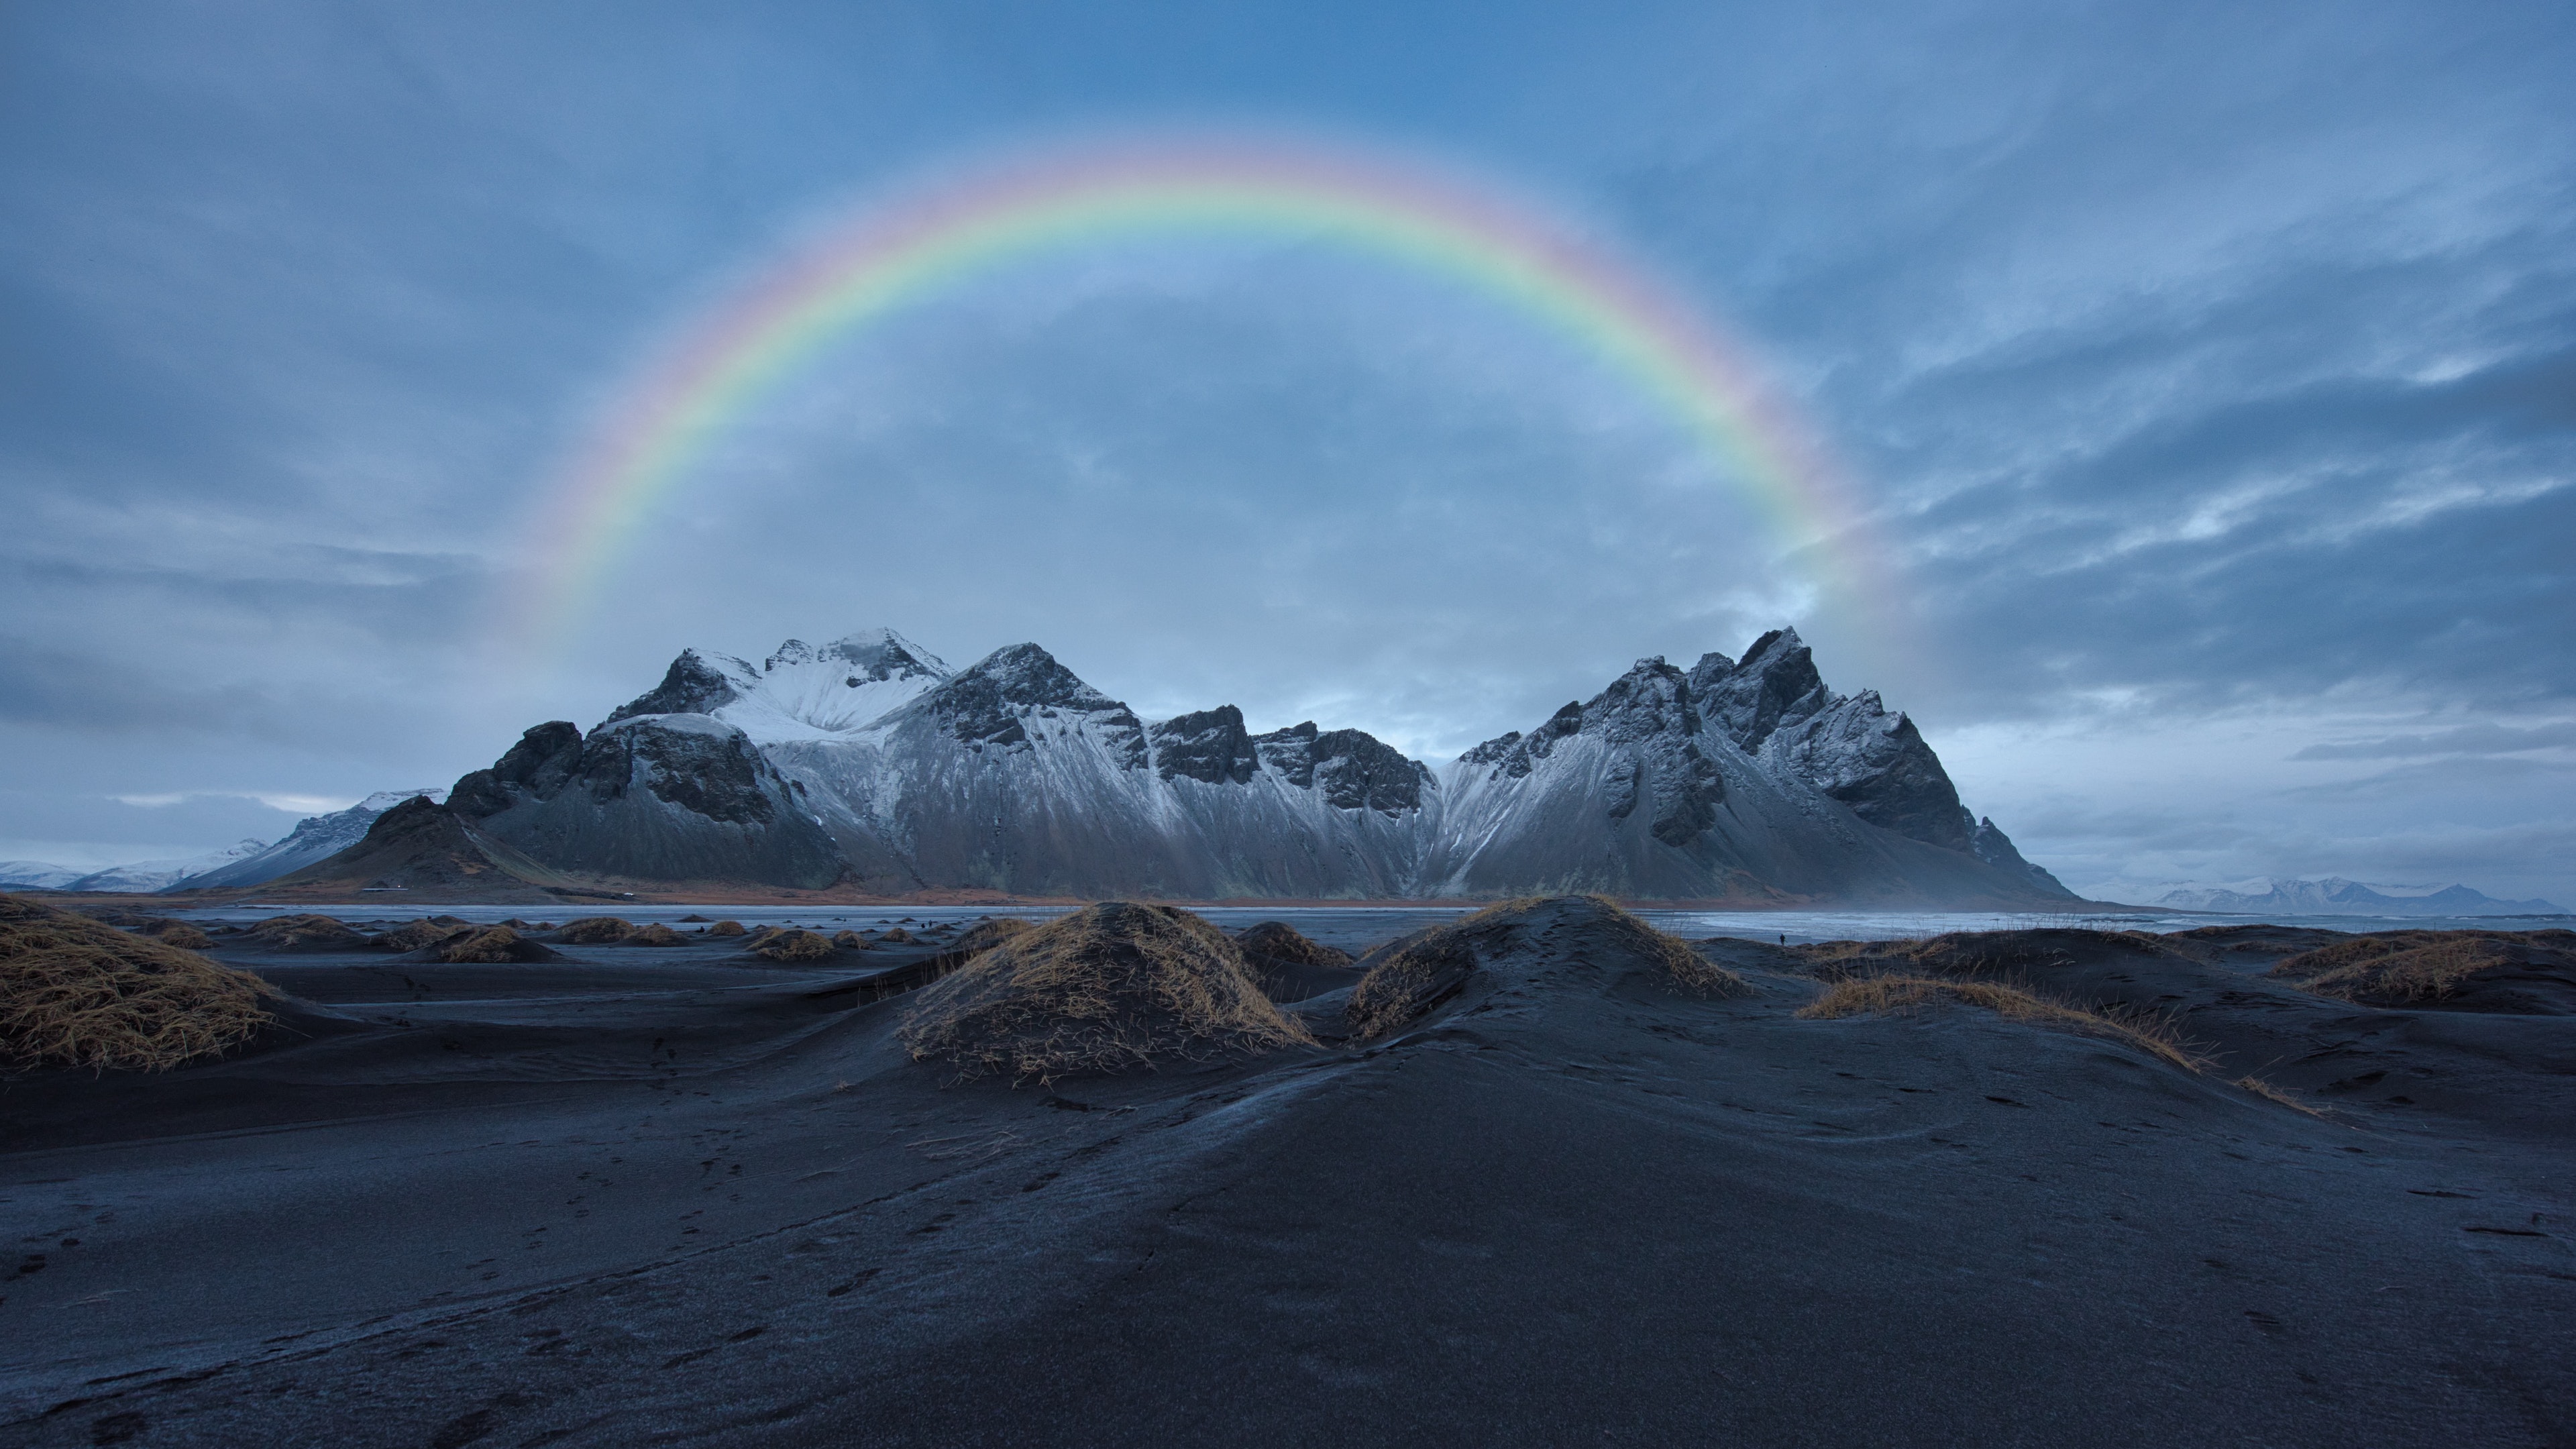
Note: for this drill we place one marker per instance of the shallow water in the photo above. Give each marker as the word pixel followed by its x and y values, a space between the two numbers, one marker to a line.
pixel 1357 927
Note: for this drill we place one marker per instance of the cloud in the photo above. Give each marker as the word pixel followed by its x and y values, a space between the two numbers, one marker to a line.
pixel 292 804
pixel 2470 739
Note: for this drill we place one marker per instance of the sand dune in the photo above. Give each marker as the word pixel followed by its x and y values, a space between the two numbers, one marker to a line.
pixel 681 1195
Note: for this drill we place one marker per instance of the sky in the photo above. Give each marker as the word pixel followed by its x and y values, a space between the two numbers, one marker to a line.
pixel 2204 377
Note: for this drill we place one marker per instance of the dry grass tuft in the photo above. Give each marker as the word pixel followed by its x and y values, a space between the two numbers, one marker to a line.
pixel 177 934
pixel 727 928
pixel 305 933
pixel 1875 995
pixel 1412 979
pixel 2270 1093
pixel 897 936
pixel 594 930
pixel 1687 969
pixel 849 940
pixel 985 935
pixel 417 935
pixel 656 934
pixel 1110 988
pixel 2404 967
pixel 1279 941
pixel 793 946
pixel 486 947
pixel 1427 970
pixel 76 993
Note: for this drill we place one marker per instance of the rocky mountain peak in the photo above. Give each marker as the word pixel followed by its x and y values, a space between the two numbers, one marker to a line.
pixel 1777 684
pixel 692 685
pixel 1652 698
pixel 870 654
pixel 990 702
pixel 1209 745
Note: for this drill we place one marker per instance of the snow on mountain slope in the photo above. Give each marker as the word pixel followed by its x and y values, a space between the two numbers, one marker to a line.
pixel 800 692
pixel 1647 790
pixel 146 876
pixel 869 758
pixel 1016 775
pixel 36 875
pixel 314 838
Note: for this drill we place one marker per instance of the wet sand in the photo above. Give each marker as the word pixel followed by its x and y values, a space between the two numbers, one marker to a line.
pixel 664 1195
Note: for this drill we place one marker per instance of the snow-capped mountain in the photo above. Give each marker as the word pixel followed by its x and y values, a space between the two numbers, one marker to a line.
pixel 799 692
pixel 2334 895
pixel 869 761
pixel 36 875
pixel 146 876
pixel 314 838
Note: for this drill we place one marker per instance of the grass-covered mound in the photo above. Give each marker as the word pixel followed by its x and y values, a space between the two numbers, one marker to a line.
pixel 77 993
pixel 1875 995
pixel 1110 988
pixel 1285 944
pixel 792 946
pixel 2427 968
pixel 418 935
pixel 1422 971
pixel 728 928
pixel 985 935
pixel 490 946
pixel 657 934
pixel 849 940
pixel 594 931
pixel 176 933
pixel 305 933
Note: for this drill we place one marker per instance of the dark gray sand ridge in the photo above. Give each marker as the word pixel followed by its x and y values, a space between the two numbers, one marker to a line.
pixel 645 1196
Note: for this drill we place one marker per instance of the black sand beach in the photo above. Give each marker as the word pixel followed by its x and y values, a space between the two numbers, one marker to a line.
pixel 642 1195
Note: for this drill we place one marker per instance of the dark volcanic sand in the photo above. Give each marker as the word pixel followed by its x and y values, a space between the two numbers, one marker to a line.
pixel 662 1196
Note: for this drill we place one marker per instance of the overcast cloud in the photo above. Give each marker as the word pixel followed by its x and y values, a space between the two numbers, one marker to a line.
pixel 2209 372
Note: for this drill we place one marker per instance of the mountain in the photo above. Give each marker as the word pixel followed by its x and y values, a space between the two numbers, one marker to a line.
pixel 145 876
pixel 423 851
pixel 2336 896
pixel 314 838
pixel 36 875
pixel 870 763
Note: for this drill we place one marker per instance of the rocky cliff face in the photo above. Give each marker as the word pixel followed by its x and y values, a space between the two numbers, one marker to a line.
pixel 870 760
pixel 681 796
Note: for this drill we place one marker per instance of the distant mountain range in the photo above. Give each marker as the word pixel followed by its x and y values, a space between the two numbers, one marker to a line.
pixel 869 764
pixel 2333 896
pixel 314 838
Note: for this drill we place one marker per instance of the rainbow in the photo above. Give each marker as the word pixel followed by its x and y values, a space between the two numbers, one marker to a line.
pixel 883 257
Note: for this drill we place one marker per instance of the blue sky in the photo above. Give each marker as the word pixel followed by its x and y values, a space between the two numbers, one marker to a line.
pixel 2209 370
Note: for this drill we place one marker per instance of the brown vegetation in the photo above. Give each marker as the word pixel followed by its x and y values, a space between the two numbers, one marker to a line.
pixel 1422 972
pixel 985 935
pixel 306 933
pixel 727 928
pixel 1874 995
pixel 2270 1093
pixel 76 993
pixel 594 930
pixel 657 934
pixel 849 940
pixel 898 936
pixel 486 947
pixel 793 946
pixel 2403 968
pixel 177 933
pixel 1113 987
pixel 1284 943
pixel 417 935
